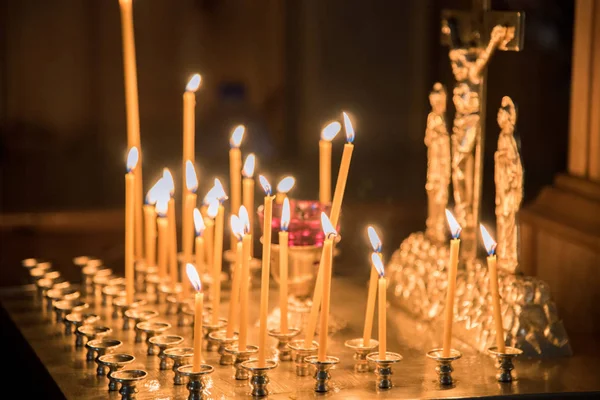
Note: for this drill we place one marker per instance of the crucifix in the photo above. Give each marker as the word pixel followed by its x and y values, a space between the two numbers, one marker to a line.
pixel 473 37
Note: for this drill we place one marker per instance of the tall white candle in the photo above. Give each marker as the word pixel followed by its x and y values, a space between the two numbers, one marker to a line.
pixel 327 135
pixel 132 160
pixel 452 271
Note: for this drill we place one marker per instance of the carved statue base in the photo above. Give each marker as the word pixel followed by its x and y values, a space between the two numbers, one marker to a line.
pixel 418 282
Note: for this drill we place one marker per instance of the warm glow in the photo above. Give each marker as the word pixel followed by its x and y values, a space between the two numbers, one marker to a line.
pixel 132 158
pixel 286 184
pixel 244 218
pixel 210 195
pixel 191 179
pixel 193 276
pixel 162 205
pixel 213 208
pixel 237 227
pixel 237 136
pixel 330 131
pixel 219 191
pixel 154 193
pixel 265 184
pixel 198 222
pixel 194 83
pixel 455 228
pixel 348 128
pixel 378 264
pixel 168 181
pixel 249 164
pixel 285 215
pixel 488 241
pixel 374 239
pixel 328 228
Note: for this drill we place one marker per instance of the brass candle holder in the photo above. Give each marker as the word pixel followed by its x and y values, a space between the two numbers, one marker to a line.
pixel 221 338
pixel 297 346
pixel 152 283
pixel 284 352
pixel 164 342
pixel 384 368
pixel 322 368
pixel 114 363
pixel 151 329
pixel 128 378
pixel 120 306
pixel 179 304
pixel 137 315
pixel 100 347
pixel 361 350
pixel 504 362
pixel 444 365
pixel 90 332
pixel 45 284
pixel 196 379
pixel 100 282
pixel 166 290
pixel 240 356
pixel 56 294
pixel 64 307
pixel 208 327
pixel 78 319
pixel 179 355
pixel 111 292
pixel 259 379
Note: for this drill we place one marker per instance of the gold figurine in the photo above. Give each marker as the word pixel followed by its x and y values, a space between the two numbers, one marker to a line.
pixel 438 164
pixel 508 176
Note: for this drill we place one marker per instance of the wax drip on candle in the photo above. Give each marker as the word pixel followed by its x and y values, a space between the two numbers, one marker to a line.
pixel 249 165
pixel 198 222
pixel 194 83
pixel 236 137
pixel 330 131
pixel 191 179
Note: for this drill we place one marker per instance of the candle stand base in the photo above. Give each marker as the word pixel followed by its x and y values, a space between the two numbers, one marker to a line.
pixel 384 368
pixel 224 342
pixel 138 316
pixel 179 304
pixel 239 357
pixel 504 363
pixel 114 363
pixel 90 332
pixel 151 329
pixel 179 355
pixel 196 382
pixel 120 307
pixel 360 353
pixel 56 294
pixel 259 379
pixel 284 352
pixel 164 342
pixel 64 307
pixel 322 375
pixel 101 347
pixel 77 320
pixel 209 327
pixel 110 293
pixel 128 378
pixel 170 290
pixel 297 346
pixel 444 365
pixel 152 283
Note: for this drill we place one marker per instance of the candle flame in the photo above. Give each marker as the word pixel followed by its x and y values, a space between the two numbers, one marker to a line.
pixel 378 264
pixel 330 131
pixel 488 241
pixel 168 181
pixel 213 208
pixel 265 184
pixel 132 158
pixel 154 193
pixel 191 179
pixel 285 215
pixel 237 227
pixel 209 196
pixel 198 222
pixel 237 136
pixel 328 228
pixel 162 206
pixel 194 83
pixel 455 227
pixel 244 218
pixel 248 170
pixel 286 184
pixel 193 276
pixel 348 128
pixel 219 191
pixel 374 239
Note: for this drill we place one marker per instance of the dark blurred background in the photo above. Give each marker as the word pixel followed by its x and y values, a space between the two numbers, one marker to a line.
pixel 284 69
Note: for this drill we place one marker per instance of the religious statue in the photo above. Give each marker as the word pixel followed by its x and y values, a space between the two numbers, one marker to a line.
pixel 438 164
pixel 508 176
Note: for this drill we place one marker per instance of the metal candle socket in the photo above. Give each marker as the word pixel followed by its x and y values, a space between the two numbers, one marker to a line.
pixel 151 329
pixel 259 380
pixel 138 316
pixel 208 327
pixel 64 307
pixel 361 350
pixel 301 354
pixel 322 375
pixel 90 332
pixel 179 355
pixel 114 362
pixel 444 364
pixel 164 342
pixel 79 319
pixel 196 382
pixel 128 378
pixel 178 304
pixel 224 342
pixel 240 356
pixel 504 362
pixel 285 353
pixel 101 347
pixel 384 368
pixel 120 307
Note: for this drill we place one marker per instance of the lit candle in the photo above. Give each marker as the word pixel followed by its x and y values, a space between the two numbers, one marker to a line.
pixel 198 306
pixel 266 264
pixel 189 128
pixel 248 188
pixel 235 171
pixel 187 232
pixel 327 257
pixel 199 227
pixel 132 160
pixel 368 329
pixel 172 246
pixel 452 270
pixel 283 187
pixel 237 228
pixel 150 224
pixel 244 295
pixel 218 252
pixel 327 135
pixel 490 246
pixel 162 206
pixel 378 264
pixel 212 207
pixel 283 266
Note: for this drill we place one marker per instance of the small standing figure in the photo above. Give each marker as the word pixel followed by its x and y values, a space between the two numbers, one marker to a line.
pixel 508 176
pixel 438 164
